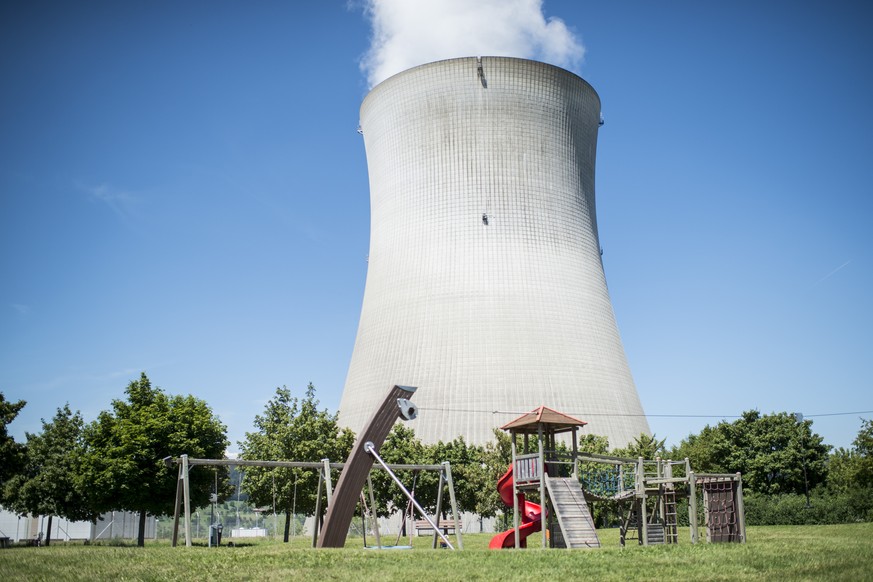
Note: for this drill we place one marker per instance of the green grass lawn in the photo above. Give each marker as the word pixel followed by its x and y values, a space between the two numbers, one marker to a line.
pixel 836 552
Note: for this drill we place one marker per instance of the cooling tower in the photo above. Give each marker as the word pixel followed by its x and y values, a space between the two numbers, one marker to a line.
pixel 485 286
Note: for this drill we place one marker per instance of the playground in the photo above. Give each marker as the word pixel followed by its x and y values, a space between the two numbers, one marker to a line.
pixel 644 492
pixel 549 489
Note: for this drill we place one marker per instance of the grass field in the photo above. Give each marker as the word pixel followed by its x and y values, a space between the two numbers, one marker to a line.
pixel 837 552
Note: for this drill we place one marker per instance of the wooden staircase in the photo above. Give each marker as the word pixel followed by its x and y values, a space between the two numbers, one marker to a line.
pixel 571 509
pixel 656 532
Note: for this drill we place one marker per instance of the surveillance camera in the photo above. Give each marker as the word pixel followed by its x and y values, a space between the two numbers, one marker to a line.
pixel 408 410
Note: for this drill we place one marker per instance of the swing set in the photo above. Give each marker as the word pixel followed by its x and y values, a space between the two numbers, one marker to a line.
pixel 355 472
pixel 183 508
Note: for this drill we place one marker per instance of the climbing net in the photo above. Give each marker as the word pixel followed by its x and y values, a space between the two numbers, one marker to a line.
pixel 606 480
pixel 721 511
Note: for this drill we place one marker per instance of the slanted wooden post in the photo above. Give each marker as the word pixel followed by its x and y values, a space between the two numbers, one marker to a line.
pixel 373 514
pixel 315 526
pixel 186 492
pixel 447 468
pixel 176 508
pixel 439 507
pixel 357 467
pixel 324 481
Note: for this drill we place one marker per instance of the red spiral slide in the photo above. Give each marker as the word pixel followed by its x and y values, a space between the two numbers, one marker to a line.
pixel 531 516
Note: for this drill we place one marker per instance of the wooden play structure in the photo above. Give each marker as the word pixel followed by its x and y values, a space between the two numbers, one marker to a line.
pixel 645 492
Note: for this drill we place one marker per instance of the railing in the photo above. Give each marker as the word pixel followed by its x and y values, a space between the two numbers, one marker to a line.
pixel 527 468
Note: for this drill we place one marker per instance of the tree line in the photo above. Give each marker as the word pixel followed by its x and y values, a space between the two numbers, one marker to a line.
pixel 79 470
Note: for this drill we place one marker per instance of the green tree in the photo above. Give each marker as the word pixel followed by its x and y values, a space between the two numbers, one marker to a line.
pixel 706 451
pixel 593 443
pixel 51 482
pixel 469 476
pixel 772 451
pixel 496 456
pixel 852 469
pixel 645 446
pixel 11 452
pixel 291 430
pixel 126 447
pixel 863 445
pixel 844 470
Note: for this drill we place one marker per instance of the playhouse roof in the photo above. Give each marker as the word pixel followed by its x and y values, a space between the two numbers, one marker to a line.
pixel 550 419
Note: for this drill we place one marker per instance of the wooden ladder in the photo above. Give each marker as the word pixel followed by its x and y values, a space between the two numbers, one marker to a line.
pixel 671 533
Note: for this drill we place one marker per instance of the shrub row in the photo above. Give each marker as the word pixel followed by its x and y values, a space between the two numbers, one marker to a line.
pixel 825 507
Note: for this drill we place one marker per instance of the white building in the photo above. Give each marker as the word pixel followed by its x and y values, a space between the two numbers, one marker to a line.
pixel 116 524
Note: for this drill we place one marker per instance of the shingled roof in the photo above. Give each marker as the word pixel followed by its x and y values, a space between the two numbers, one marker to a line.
pixel 550 419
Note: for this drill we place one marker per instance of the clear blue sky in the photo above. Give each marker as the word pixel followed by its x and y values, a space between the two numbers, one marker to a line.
pixel 184 193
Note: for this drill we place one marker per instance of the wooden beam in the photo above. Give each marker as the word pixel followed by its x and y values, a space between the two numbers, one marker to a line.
pixel 297 464
pixel 351 481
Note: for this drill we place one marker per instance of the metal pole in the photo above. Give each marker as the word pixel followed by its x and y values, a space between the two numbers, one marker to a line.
pixel 372 451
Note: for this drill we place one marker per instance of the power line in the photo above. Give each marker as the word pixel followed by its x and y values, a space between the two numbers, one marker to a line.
pixel 591 414
pixel 841 413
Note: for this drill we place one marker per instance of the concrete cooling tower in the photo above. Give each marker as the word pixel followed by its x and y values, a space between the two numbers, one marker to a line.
pixel 485 287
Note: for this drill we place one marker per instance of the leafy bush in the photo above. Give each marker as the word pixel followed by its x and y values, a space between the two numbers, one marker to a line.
pixel 824 508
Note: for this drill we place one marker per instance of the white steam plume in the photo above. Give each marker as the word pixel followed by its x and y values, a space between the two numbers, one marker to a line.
pixel 407 33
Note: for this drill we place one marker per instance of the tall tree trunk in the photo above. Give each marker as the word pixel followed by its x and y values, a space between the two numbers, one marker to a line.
pixel 140 536
pixel 48 534
pixel 287 524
